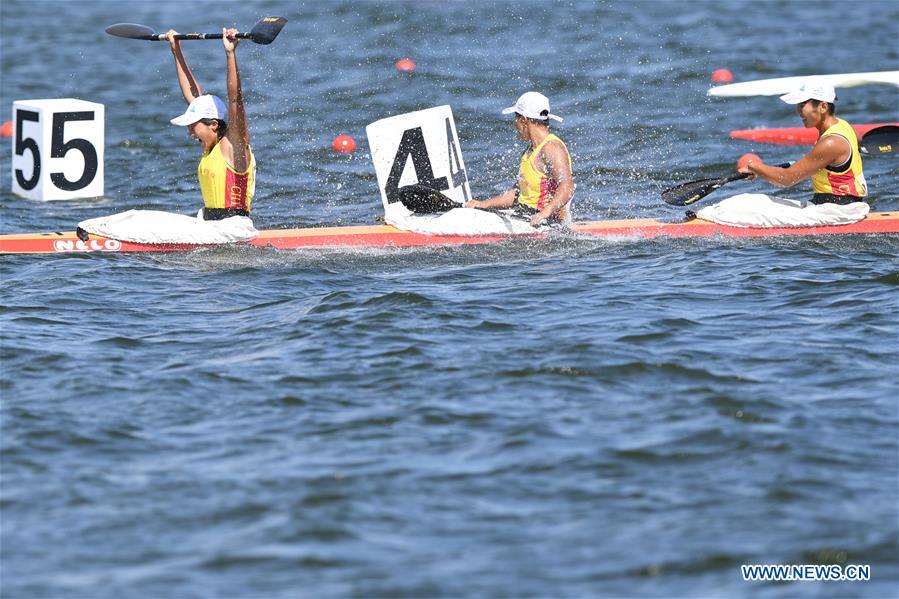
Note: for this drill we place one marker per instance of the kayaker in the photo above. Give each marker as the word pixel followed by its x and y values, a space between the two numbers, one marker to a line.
pixel 545 183
pixel 834 163
pixel 227 170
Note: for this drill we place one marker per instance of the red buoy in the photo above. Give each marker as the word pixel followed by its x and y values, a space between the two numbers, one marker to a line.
pixel 722 76
pixel 405 64
pixel 6 130
pixel 344 143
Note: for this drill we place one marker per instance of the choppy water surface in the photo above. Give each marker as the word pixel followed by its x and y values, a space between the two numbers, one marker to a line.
pixel 565 417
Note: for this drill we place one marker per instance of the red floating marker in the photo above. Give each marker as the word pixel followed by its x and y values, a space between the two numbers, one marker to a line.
pixel 405 64
pixel 6 130
pixel 344 143
pixel 722 76
pixel 745 158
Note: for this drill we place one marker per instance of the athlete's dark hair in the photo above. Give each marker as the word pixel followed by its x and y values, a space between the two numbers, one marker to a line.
pixel 223 126
pixel 831 109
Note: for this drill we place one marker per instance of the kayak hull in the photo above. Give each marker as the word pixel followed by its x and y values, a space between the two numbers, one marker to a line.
pixel 388 236
pixel 794 135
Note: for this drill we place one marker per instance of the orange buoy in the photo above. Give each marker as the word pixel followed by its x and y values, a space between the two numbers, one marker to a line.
pixel 344 143
pixel 405 64
pixel 745 158
pixel 6 130
pixel 722 76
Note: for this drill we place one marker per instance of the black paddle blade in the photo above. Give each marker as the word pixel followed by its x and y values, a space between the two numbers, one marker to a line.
pixel 687 193
pixel 422 199
pixel 267 29
pixel 132 30
pixel 881 140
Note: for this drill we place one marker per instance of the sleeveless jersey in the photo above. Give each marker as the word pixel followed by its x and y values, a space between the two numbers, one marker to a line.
pixel 846 179
pixel 222 186
pixel 535 189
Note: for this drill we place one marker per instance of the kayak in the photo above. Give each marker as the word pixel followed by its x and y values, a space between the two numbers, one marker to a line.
pixel 794 135
pixel 782 85
pixel 386 236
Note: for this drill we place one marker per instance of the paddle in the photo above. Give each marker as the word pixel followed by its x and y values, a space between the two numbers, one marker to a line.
pixel 263 32
pixel 687 193
pixel 880 140
pixel 421 199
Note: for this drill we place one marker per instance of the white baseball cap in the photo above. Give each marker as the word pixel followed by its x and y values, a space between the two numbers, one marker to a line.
pixel 532 105
pixel 811 90
pixel 206 106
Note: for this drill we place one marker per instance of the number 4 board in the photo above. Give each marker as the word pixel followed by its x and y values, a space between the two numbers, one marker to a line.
pixel 418 147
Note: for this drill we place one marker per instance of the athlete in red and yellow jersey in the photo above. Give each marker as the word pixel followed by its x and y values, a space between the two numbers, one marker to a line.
pixel 834 164
pixel 224 188
pixel 227 170
pixel 537 188
pixel 545 183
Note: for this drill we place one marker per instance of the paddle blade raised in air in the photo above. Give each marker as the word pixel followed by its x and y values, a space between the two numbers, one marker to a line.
pixel 266 30
pixel 132 30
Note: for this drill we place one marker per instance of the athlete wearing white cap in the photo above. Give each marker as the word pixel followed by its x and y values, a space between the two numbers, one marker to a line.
pixel 532 105
pixel 227 170
pixel 545 183
pixel 834 163
pixel 811 90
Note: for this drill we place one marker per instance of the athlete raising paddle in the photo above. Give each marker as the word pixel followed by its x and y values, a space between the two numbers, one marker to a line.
pixel 545 183
pixel 227 170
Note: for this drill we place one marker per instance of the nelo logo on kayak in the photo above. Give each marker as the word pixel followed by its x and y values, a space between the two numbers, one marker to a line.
pixel 91 245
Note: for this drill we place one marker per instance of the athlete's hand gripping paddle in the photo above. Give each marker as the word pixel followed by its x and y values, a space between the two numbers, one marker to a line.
pixel 264 32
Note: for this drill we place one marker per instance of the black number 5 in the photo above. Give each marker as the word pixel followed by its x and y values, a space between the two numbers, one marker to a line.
pixel 59 148
pixel 27 144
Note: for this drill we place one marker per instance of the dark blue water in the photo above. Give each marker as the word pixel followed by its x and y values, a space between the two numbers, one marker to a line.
pixel 552 418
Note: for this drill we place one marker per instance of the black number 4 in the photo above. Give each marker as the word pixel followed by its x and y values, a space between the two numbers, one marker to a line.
pixel 458 176
pixel 412 145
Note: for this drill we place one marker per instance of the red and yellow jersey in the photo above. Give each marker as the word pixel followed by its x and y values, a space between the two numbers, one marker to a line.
pixel 222 186
pixel 846 179
pixel 535 189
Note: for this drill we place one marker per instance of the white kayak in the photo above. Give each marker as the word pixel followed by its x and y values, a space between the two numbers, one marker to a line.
pixel 782 85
